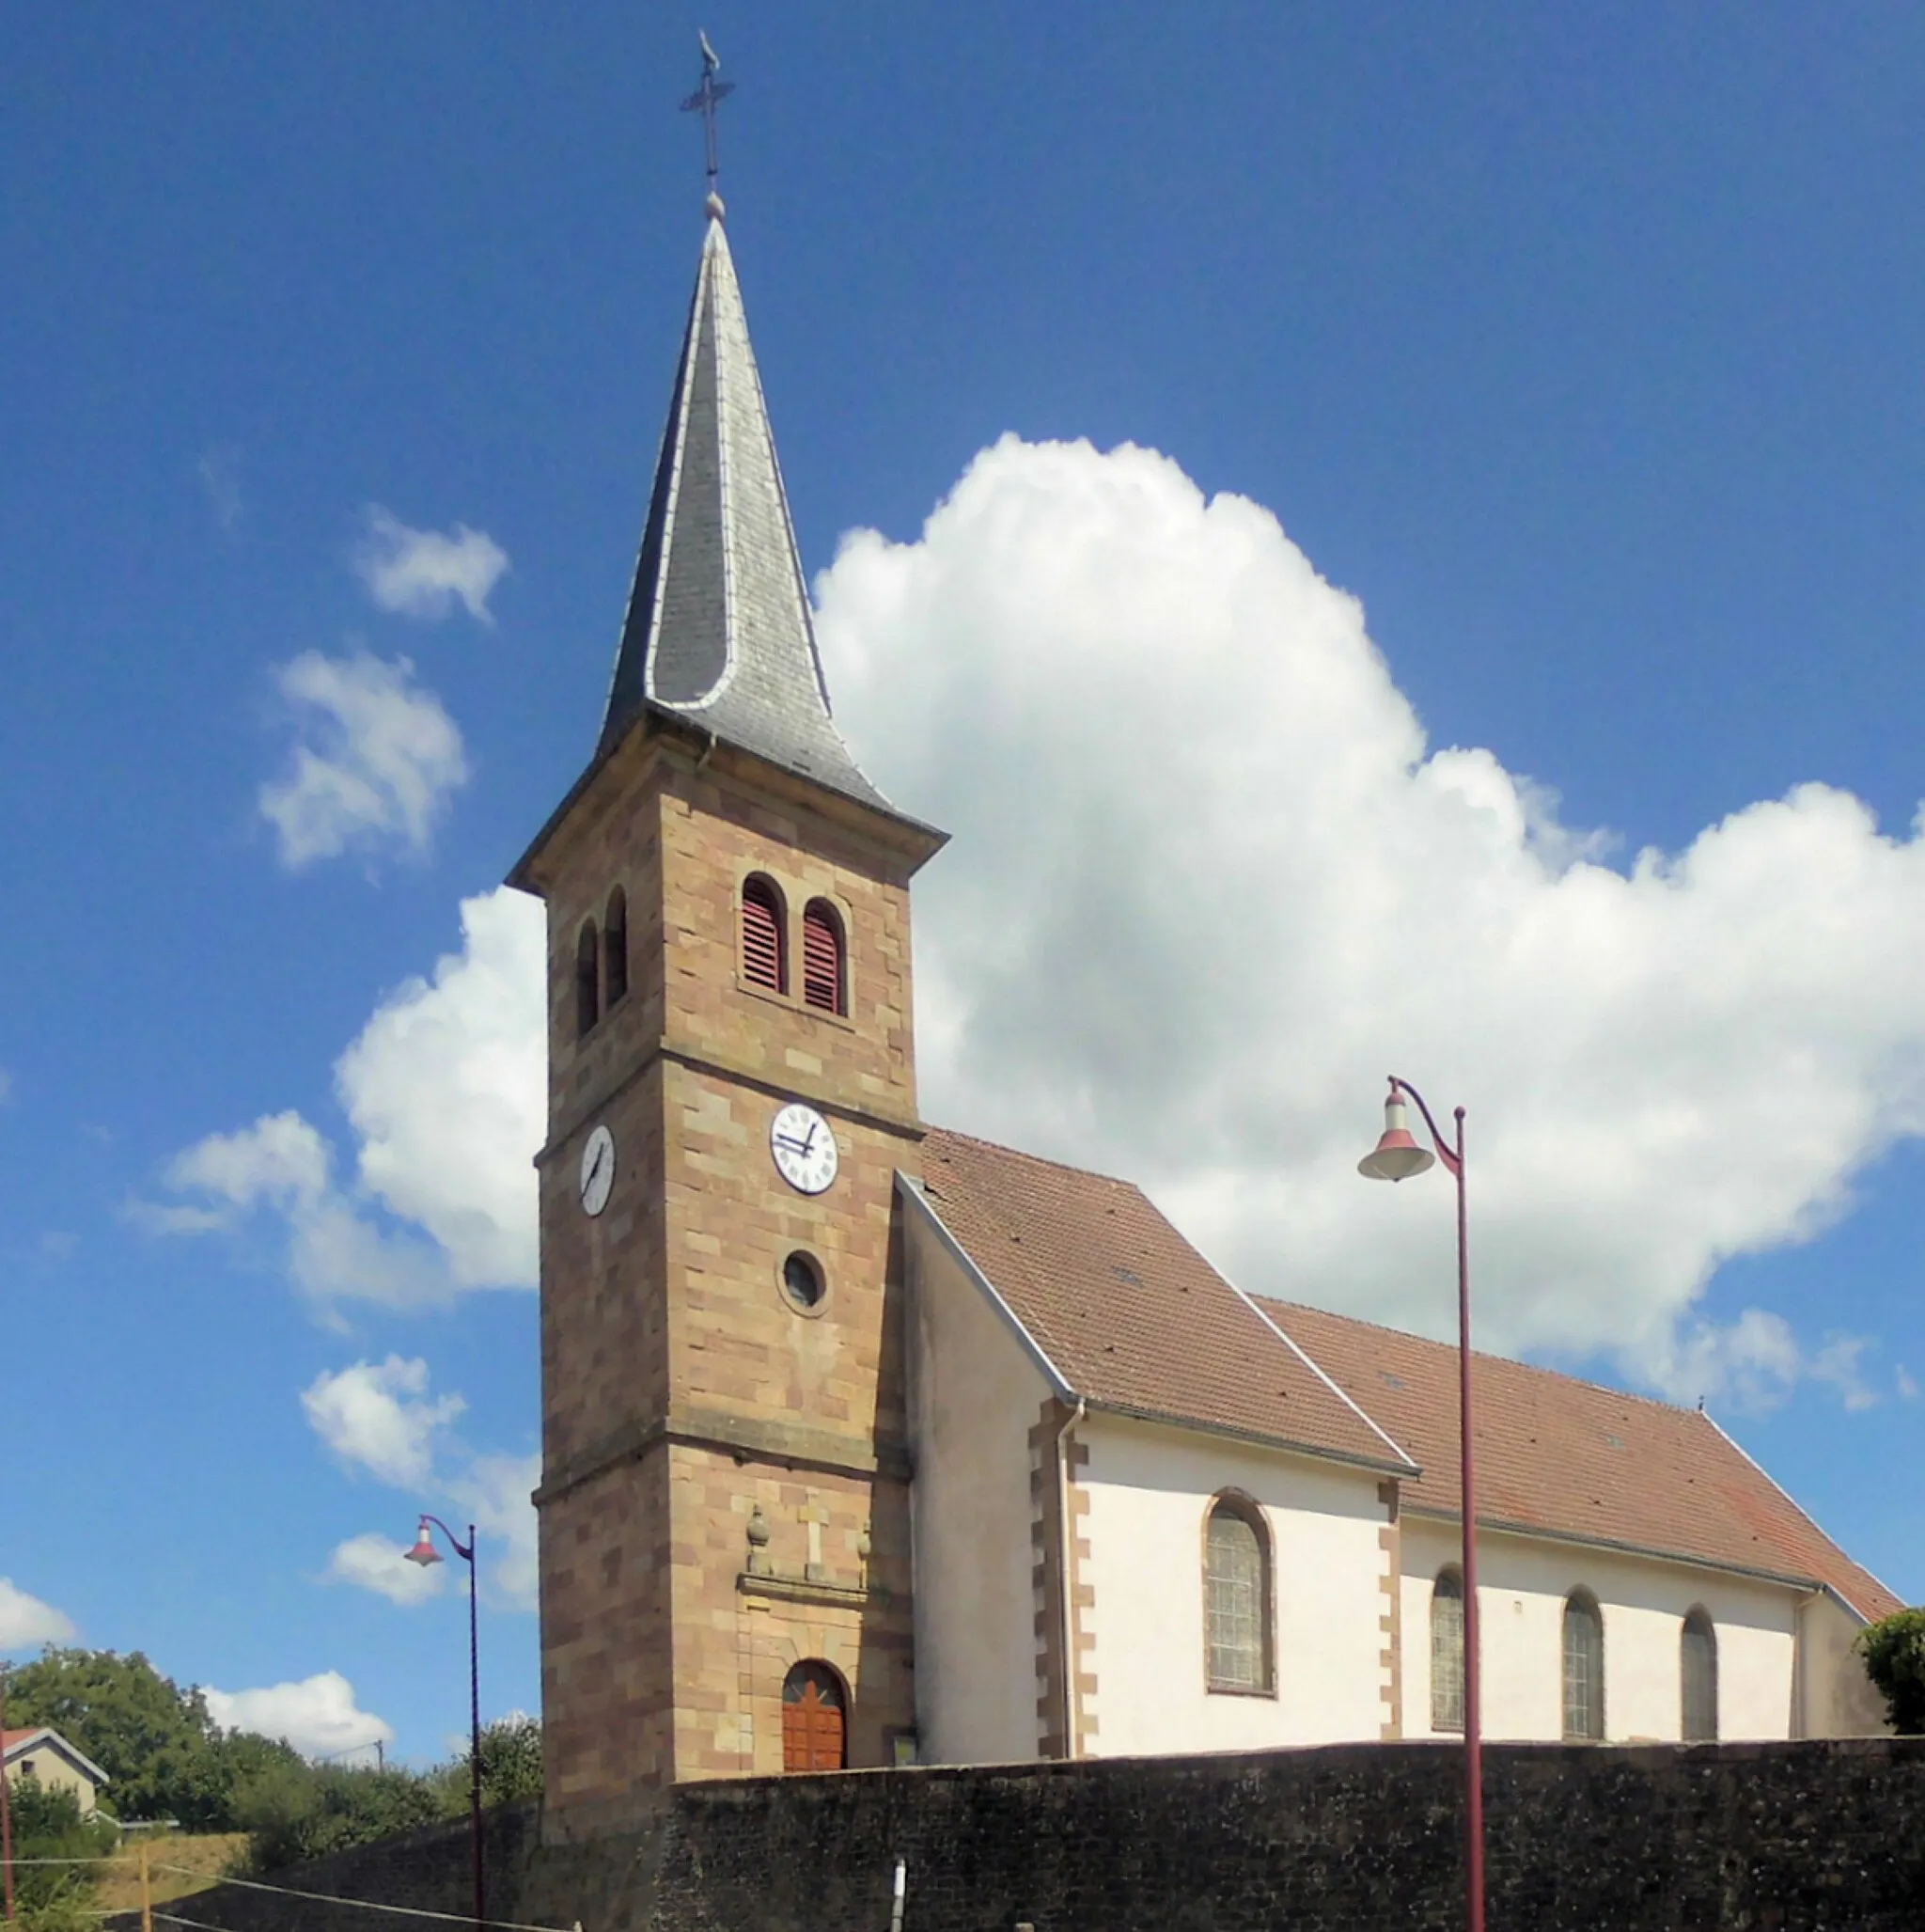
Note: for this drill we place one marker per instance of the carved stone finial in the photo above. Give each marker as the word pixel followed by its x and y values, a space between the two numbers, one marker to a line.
pixel 756 1532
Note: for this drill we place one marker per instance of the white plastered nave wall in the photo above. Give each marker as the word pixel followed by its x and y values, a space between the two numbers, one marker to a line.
pixel 1835 1699
pixel 974 1395
pixel 1523 1584
pixel 1149 1487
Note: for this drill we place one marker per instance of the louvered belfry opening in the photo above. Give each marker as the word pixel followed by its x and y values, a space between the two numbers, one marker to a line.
pixel 615 947
pixel 762 960
pixel 821 957
pixel 587 981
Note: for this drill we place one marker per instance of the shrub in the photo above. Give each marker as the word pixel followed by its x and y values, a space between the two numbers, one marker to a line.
pixel 47 1824
pixel 1894 1654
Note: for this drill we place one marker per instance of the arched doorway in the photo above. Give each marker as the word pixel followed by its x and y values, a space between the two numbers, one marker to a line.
pixel 814 1734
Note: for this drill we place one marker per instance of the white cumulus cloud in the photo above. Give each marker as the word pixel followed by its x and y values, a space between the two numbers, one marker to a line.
pixel 318 1715
pixel 446 1088
pixel 493 1493
pixel 280 1159
pixel 378 1417
pixel 375 762
pixel 378 1562
pixel 1209 882
pixel 25 1622
pixel 284 1165
pixel 424 574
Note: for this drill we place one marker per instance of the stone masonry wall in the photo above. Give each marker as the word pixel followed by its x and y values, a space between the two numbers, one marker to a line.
pixel 685 1396
pixel 1351 1838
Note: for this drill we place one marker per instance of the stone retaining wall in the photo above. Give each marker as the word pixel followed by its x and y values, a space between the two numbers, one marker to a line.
pixel 1354 1838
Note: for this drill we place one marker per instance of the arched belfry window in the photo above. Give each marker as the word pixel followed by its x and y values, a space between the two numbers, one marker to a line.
pixel 614 947
pixel 821 957
pixel 764 955
pixel 588 980
pixel 1697 1663
pixel 1584 1668
pixel 1236 1597
pixel 1447 1651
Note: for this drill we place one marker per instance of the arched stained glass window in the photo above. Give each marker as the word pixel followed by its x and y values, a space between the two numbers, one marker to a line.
pixel 1697 1660
pixel 1584 1668
pixel 1236 1589
pixel 1447 1651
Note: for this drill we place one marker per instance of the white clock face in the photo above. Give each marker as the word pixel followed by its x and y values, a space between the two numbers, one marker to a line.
pixel 804 1147
pixel 597 1170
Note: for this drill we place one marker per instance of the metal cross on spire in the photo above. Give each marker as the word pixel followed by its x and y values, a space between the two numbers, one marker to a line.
pixel 704 101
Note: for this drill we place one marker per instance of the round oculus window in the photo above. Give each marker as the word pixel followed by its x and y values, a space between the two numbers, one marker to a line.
pixel 801 1281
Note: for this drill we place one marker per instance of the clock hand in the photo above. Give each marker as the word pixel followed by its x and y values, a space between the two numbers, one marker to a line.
pixel 594 1168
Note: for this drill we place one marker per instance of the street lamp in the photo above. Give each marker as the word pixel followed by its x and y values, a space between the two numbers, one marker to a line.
pixel 1396 1157
pixel 425 1553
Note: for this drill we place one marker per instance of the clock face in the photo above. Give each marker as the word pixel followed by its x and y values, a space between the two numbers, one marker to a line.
pixel 804 1147
pixel 597 1170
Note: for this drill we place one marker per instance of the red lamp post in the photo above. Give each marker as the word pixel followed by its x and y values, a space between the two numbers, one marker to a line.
pixel 425 1553
pixel 1396 1157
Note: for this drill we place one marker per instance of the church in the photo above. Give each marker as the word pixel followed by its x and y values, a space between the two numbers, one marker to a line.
pixel 865 1442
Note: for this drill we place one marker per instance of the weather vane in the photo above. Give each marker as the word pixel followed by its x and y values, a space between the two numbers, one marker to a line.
pixel 705 101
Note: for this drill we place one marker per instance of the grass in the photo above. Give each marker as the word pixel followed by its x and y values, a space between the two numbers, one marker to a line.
pixel 205 1857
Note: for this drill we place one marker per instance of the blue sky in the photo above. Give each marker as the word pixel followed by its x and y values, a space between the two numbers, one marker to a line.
pixel 1580 344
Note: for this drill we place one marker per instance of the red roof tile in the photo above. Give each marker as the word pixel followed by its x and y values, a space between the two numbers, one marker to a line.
pixel 1566 1457
pixel 1133 1318
pixel 1130 1315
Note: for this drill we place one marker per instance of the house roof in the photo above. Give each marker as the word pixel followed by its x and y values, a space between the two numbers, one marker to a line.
pixel 1128 1316
pixel 718 628
pixel 1564 1457
pixel 16 1744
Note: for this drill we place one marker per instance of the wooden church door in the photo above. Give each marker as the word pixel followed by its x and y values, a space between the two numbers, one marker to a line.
pixel 812 1729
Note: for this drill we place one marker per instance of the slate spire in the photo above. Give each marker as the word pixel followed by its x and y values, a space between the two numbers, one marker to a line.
pixel 718 629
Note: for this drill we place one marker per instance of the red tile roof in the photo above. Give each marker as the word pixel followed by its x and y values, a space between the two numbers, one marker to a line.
pixel 1131 1317
pixel 1565 1457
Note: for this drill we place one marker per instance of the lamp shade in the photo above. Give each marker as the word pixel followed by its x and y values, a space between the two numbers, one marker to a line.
pixel 424 1551
pixel 1395 1157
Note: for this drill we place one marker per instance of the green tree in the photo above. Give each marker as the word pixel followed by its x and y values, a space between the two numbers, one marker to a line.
pixel 511 1760
pixel 297 1811
pixel 153 1739
pixel 1894 1654
pixel 47 1824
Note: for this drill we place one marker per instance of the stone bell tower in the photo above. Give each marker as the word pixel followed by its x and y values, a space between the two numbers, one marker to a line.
pixel 724 1503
